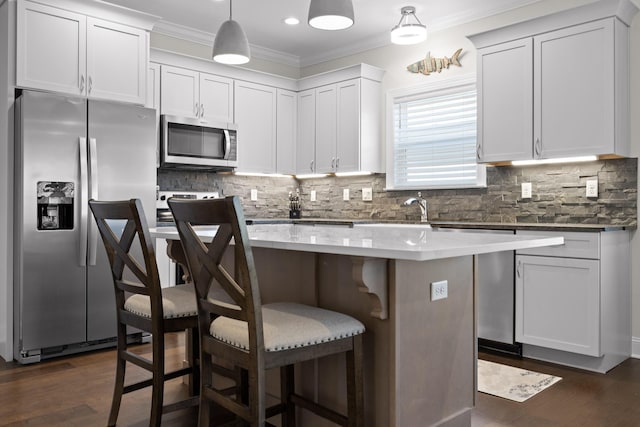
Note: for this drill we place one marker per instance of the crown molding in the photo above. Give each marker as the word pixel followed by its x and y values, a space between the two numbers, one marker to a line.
pixel 206 38
pixel 381 40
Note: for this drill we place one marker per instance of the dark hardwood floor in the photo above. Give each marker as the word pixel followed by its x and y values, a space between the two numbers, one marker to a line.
pixel 75 391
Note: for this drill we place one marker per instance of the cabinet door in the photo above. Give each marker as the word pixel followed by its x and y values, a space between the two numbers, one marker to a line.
pixel 306 144
pixel 505 102
pixel 558 303
pixel 255 114
pixel 326 135
pixel 574 102
pixel 216 98
pixel 116 62
pixel 179 92
pixel 51 49
pixel 287 108
pixel 348 126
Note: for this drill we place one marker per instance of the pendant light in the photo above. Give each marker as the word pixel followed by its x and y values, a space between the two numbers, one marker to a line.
pixel 406 32
pixel 231 45
pixel 331 14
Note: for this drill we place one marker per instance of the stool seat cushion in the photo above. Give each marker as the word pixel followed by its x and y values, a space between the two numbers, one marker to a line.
pixel 289 325
pixel 177 301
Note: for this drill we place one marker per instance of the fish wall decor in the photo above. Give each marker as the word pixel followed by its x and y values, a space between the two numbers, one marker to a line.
pixel 429 64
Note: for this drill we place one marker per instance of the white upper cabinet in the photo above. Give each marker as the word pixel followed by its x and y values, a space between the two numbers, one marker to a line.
pixel 306 141
pixel 505 101
pixel 51 49
pixel 556 86
pixel 339 123
pixel 202 96
pixel 255 115
pixel 575 98
pixel 116 61
pixel 62 51
pixel 326 121
pixel 216 98
pixel 179 92
pixel 286 131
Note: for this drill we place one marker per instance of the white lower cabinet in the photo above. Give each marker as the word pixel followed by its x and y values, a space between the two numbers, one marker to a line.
pixel 558 302
pixel 573 301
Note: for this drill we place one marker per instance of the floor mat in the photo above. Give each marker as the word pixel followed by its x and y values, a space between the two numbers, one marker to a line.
pixel 511 383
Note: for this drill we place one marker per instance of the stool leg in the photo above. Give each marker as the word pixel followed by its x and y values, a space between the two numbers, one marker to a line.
pixel 287 388
pixel 158 380
pixel 121 365
pixel 193 357
pixel 206 381
pixel 355 393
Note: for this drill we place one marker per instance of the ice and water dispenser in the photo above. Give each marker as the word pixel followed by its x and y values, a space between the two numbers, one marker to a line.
pixel 55 205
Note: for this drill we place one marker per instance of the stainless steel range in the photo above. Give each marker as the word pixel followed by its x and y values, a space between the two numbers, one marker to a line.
pixel 163 214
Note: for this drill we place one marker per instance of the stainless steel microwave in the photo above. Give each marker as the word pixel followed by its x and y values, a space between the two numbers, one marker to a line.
pixel 188 143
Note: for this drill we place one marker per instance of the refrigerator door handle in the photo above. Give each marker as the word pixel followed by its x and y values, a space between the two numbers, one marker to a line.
pixel 93 229
pixel 84 206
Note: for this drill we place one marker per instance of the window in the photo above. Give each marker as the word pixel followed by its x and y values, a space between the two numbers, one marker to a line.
pixel 432 137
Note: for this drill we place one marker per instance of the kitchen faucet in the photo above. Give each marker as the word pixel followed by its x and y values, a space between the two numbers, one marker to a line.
pixel 421 202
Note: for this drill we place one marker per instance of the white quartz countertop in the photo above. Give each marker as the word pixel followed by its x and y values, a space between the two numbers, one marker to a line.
pixel 417 243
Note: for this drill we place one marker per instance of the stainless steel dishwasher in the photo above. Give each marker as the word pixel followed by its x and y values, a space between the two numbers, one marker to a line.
pixel 496 297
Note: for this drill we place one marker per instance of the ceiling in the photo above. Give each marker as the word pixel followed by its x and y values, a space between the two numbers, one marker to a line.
pixel 302 45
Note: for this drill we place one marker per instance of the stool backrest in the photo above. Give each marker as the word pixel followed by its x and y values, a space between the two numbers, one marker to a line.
pixel 205 261
pixel 121 224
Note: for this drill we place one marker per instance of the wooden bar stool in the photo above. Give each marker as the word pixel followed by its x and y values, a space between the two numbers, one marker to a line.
pixel 255 337
pixel 143 304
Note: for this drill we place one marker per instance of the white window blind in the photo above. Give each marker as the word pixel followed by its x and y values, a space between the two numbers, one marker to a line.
pixel 434 139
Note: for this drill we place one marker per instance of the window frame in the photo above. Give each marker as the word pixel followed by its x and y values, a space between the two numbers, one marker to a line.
pixel 413 91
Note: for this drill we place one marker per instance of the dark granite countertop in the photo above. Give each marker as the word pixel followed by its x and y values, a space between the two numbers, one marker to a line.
pixel 443 224
pixel 531 226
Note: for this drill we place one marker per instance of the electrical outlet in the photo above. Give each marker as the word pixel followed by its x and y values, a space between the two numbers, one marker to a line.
pixel 367 194
pixel 313 195
pixel 439 290
pixel 254 195
pixel 526 190
pixel 345 194
pixel 592 188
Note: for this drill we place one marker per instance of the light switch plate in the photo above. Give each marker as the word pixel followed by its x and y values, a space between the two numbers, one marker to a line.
pixel 526 190
pixel 254 194
pixel 345 194
pixel 367 194
pixel 592 188
pixel 313 195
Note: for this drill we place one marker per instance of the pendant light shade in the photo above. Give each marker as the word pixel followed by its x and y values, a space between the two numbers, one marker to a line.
pixel 331 14
pixel 231 45
pixel 408 32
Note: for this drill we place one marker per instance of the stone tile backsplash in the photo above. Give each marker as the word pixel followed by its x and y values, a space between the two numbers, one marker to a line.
pixel 558 195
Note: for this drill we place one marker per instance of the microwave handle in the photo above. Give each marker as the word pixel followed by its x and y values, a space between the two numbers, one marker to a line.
pixel 227 144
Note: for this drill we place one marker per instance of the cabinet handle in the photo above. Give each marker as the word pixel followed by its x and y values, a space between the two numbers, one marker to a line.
pixel 518 269
pixel 82 83
pixel 202 110
pixel 196 110
pixel 311 165
pixel 479 152
pixel 90 85
pixel 333 163
pixel 538 147
pixel 337 163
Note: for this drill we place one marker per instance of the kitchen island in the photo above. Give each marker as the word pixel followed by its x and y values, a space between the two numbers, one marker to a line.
pixel 420 348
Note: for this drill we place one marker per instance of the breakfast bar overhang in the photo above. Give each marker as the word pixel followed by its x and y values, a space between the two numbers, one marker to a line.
pixel 420 351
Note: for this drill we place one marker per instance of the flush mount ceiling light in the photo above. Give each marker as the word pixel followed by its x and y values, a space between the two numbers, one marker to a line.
pixel 331 14
pixel 231 45
pixel 407 32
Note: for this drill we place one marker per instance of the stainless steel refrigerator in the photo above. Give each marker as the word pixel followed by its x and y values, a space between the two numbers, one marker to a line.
pixel 67 151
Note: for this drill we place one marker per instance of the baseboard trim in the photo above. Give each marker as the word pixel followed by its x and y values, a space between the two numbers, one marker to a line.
pixel 635 347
